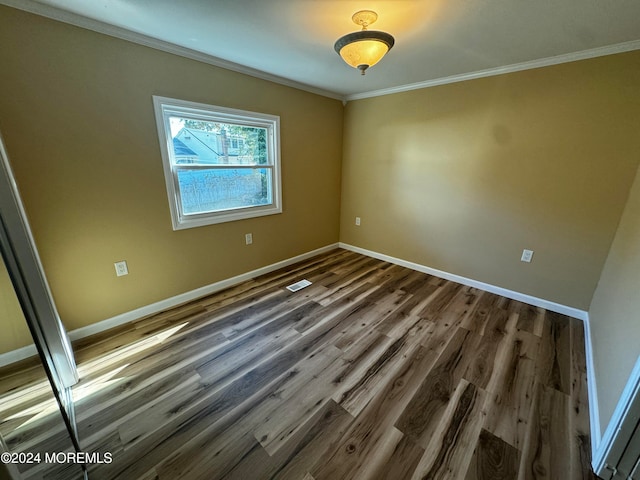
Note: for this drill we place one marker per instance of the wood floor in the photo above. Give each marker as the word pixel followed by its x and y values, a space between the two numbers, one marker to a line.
pixel 374 371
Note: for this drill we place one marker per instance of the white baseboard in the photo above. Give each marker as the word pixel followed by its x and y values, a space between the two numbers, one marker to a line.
pixel 17 355
pixel 30 350
pixel 594 410
pixel 188 296
pixel 618 430
pixel 522 297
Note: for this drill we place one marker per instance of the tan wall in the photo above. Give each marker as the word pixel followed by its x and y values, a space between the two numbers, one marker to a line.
pixel 15 332
pixel 463 177
pixel 614 314
pixel 77 118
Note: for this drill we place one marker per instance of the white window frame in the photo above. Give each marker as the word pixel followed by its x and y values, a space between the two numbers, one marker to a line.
pixel 165 108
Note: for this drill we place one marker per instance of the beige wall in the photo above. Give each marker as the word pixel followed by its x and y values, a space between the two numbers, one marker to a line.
pixel 463 177
pixel 77 118
pixel 615 310
pixel 15 332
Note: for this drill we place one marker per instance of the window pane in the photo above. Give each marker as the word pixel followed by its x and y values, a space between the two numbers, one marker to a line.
pixel 224 188
pixel 220 164
pixel 210 142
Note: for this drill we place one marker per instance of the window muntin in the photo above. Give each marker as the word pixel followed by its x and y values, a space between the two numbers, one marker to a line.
pixel 220 164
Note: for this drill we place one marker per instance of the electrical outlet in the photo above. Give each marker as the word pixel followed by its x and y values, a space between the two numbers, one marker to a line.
pixel 121 268
pixel 358 221
pixel 526 255
pixel 248 239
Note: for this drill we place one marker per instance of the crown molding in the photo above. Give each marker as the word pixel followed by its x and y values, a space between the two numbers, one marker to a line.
pixel 64 16
pixel 516 67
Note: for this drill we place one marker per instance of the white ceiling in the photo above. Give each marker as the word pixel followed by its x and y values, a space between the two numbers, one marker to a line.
pixel 436 40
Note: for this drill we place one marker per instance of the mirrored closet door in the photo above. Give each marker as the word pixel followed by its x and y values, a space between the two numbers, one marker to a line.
pixel 37 366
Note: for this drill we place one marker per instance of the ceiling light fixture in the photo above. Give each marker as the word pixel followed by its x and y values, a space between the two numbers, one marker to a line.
pixel 364 49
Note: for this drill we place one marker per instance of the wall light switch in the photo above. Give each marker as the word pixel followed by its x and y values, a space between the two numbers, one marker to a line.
pixel 248 239
pixel 121 268
pixel 526 256
pixel 358 221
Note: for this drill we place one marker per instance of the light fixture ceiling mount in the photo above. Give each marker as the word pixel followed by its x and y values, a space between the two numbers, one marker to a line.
pixel 365 48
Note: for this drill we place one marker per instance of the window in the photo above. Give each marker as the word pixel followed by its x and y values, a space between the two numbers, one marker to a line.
pixel 220 164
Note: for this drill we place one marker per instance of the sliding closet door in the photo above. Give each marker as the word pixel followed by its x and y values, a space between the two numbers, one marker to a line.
pixel 23 263
pixel 29 282
pixel 31 421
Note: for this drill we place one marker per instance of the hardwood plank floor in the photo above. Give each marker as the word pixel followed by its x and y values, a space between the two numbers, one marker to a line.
pixel 374 371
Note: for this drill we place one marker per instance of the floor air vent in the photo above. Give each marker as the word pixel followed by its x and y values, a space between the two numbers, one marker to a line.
pixel 299 285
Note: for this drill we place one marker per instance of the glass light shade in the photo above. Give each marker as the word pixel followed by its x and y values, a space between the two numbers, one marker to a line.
pixel 364 52
pixel 364 49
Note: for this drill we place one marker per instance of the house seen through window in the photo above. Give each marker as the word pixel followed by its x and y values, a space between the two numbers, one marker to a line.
pixel 220 164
